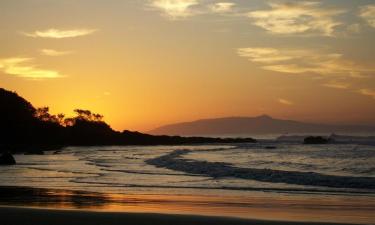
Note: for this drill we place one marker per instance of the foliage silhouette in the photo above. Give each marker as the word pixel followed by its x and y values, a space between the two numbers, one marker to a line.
pixel 24 128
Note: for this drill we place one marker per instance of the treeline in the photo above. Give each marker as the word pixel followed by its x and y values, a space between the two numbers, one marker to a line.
pixel 25 128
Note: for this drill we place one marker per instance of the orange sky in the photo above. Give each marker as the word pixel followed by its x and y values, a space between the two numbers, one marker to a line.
pixel 147 63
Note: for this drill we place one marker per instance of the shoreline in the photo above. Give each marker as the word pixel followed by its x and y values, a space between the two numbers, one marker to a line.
pixel 12 215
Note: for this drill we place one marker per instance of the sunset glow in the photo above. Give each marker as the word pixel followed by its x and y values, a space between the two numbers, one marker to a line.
pixel 143 64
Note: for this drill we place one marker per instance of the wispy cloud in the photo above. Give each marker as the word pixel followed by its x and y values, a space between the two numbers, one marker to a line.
pixel 299 61
pixel 285 101
pixel 175 9
pixel 263 55
pixel 368 13
pixel 337 85
pixel 222 7
pixel 22 67
pixel 58 34
pixel 302 17
pixel 367 92
pixel 354 28
pixel 52 52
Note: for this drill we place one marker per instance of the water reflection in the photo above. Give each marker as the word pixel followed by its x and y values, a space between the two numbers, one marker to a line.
pixel 51 198
pixel 257 205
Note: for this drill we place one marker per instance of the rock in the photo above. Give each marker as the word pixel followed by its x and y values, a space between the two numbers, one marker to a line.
pixel 7 159
pixel 315 140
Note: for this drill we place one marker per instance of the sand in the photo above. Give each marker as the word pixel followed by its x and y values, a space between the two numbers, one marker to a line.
pixel 38 206
pixel 36 216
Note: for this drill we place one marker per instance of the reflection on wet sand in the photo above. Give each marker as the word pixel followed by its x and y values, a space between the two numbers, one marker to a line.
pixel 346 209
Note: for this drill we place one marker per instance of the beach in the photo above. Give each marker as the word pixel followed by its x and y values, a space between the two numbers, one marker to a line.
pixel 192 184
pixel 187 112
pixel 11 216
pixel 46 206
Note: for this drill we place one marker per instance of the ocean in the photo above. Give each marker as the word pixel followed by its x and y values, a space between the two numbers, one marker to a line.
pixel 341 175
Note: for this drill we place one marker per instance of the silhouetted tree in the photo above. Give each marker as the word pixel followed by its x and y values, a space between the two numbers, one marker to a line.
pixel 83 115
pixel 43 114
pixel 98 117
pixel 60 118
pixel 24 128
pixel 68 122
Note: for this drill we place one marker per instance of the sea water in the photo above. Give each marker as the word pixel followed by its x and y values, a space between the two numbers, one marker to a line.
pixel 235 172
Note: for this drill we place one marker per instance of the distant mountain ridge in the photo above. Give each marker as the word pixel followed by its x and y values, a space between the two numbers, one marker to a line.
pixel 263 124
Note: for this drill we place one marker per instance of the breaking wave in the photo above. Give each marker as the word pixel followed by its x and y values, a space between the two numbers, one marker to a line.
pixel 174 161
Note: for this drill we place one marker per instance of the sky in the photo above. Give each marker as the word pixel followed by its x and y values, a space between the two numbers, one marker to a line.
pixel 147 63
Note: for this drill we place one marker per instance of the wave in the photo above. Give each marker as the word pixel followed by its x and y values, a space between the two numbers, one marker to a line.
pixel 60 171
pixel 174 161
pixel 147 172
pixel 233 188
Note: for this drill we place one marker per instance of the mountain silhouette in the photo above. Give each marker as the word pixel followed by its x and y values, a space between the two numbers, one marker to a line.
pixel 263 124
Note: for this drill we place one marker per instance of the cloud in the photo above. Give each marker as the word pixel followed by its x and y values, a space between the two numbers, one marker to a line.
pixel 354 28
pixel 58 34
pixel 52 52
pixel 175 9
pixel 285 101
pixel 367 92
pixel 299 61
pixel 318 64
pixel 263 55
pixel 222 7
pixel 368 13
pixel 18 67
pixel 303 17
pixel 337 85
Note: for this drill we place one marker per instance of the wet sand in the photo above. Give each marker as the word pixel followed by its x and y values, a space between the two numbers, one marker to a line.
pixel 23 216
pixel 24 205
